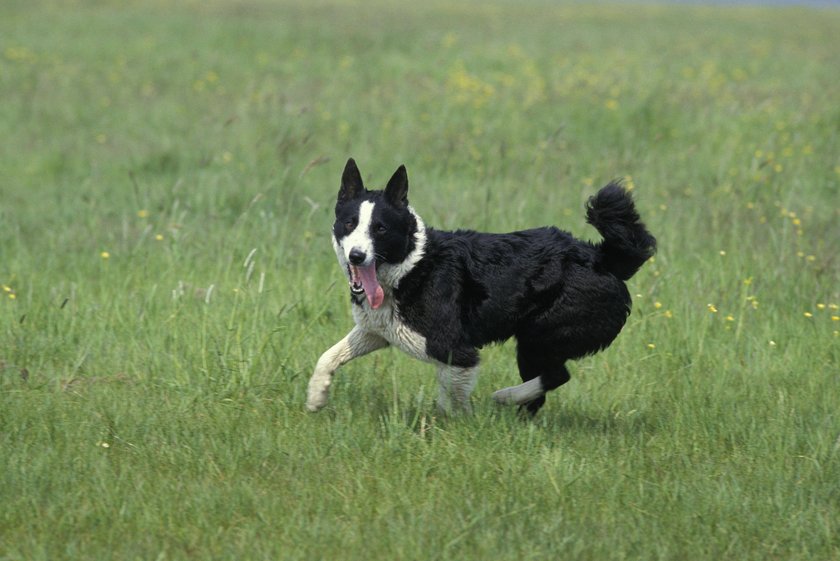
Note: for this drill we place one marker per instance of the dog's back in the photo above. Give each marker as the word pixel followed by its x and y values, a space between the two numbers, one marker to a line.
pixel 537 285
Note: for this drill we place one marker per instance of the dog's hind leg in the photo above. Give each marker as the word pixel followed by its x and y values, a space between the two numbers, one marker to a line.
pixel 549 380
pixel 357 343
pixel 541 372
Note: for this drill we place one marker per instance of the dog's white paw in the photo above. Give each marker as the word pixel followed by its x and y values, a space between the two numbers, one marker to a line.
pixel 503 397
pixel 313 406
pixel 317 393
pixel 450 408
pixel 517 395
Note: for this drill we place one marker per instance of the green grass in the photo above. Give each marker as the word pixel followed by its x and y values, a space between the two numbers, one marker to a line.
pixel 151 402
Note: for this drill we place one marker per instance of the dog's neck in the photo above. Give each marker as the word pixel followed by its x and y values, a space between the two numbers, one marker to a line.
pixel 390 275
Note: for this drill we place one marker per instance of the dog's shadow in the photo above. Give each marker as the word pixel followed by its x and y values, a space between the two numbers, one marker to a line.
pixel 422 418
pixel 582 419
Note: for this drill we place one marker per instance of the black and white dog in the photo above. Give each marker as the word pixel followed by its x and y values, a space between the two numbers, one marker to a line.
pixel 441 296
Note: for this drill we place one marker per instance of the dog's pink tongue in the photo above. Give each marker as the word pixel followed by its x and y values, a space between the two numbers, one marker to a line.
pixel 373 291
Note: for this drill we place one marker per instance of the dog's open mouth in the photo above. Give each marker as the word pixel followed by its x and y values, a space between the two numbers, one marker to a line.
pixel 363 281
pixel 355 283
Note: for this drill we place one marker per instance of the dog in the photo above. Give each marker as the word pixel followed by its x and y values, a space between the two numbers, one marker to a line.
pixel 440 296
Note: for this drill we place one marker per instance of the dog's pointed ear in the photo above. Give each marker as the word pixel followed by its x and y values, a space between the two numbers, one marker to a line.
pixel 396 192
pixel 351 182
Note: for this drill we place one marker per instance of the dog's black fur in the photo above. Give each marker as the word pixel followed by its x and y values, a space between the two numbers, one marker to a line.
pixel 560 297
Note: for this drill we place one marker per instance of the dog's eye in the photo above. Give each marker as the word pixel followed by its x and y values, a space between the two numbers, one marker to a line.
pixel 349 225
pixel 380 229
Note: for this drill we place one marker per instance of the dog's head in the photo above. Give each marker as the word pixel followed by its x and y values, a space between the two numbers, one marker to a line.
pixel 377 237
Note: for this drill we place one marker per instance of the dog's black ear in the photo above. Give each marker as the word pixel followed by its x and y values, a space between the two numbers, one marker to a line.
pixel 396 192
pixel 351 182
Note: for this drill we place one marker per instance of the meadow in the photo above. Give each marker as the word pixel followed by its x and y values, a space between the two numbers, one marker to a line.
pixel 167 177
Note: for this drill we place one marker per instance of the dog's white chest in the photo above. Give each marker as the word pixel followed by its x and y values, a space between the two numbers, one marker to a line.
pixel 385 322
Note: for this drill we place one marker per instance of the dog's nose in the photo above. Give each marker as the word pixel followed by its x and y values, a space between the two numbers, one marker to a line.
pixel 357 256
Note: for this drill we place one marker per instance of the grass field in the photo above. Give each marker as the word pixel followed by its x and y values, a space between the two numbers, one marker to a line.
pixel 167 176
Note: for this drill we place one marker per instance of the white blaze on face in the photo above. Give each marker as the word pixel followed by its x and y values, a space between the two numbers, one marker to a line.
pixel 360 238
pixel 363 275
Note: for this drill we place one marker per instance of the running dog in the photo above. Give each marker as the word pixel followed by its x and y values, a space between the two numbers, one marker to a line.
pixel 441 296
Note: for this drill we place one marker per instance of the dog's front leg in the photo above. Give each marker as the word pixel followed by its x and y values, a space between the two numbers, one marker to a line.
pixel 357 343
pixel 455 386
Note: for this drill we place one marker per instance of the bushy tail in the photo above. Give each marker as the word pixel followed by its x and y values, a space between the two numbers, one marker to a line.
pixel 627 244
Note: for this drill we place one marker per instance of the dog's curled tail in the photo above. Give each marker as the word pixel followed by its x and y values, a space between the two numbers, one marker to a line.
pixel 627 244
